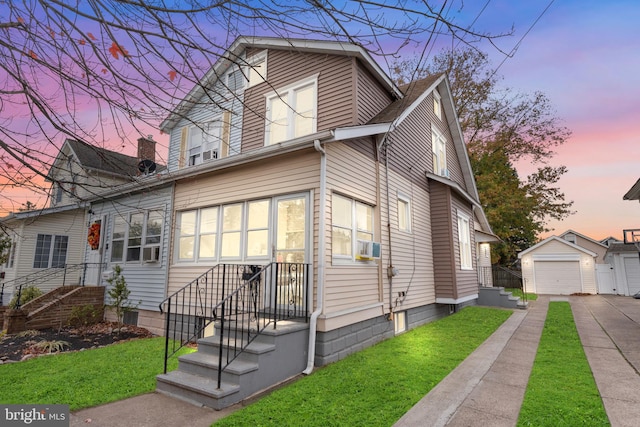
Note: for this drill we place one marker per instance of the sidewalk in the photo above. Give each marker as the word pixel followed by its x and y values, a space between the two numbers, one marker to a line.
pixel 487 388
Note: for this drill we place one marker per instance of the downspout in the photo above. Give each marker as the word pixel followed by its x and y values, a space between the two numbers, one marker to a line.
pixel 321 259
pixel 391 271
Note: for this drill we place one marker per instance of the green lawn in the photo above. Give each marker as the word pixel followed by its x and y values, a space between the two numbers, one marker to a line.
pixel 86 378
pixel 376 386
pixel 517 292
pixel 561 389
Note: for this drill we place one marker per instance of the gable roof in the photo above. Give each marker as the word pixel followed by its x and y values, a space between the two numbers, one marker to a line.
pixel 234 55
pixel 96 159
pixel 599 243
pixel 633 193
pixel 556 239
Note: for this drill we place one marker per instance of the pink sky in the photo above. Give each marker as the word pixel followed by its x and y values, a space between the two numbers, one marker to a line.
pixel 585 56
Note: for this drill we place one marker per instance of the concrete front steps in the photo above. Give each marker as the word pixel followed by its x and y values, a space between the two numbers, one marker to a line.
pixel 498 297
pixel 273 357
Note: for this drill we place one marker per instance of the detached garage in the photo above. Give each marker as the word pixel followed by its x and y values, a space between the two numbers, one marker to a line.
pixel 557 267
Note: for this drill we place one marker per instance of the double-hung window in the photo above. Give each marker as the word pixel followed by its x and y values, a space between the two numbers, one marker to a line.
pixel 351 221
pixel 137 236
pixel 439 148
pixel 51 251
pixel 204 142
pixel 464 241
pixel 291 112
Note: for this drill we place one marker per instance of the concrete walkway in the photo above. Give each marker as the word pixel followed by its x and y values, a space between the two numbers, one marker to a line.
pixel 486 389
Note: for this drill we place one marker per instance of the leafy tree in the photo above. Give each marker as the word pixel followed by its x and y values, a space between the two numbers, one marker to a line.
pixel 501 128
pixel 107 72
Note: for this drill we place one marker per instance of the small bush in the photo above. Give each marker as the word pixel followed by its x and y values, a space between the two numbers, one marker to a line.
pixel 28 293
pixel 84 315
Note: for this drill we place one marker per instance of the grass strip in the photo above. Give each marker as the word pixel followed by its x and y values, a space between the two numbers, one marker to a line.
pixel 376 386
pixel 517 292
pixel 86 378
pixel 561 389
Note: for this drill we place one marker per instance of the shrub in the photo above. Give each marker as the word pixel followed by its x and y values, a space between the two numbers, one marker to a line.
pixel 27 294
pixel 84 315
pixel 119 295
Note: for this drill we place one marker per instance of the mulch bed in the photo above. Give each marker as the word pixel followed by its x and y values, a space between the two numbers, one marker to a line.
pixel 26 345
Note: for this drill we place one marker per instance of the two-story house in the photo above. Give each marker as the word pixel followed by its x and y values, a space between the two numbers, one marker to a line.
pixel 48 245
pixel 303 151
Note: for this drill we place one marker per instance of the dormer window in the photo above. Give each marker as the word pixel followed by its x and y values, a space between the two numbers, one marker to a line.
pixel 291 112
pixel 571 238
pixel 437 104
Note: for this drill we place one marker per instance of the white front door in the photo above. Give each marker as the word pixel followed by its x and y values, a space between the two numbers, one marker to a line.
pixel 95 249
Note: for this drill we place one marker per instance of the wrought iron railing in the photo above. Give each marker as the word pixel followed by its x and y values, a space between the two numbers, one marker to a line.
pixel 238 302
pixel 44 276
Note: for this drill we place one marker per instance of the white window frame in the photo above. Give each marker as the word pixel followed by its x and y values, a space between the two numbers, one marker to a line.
pixel 404 203
pixel 464 241
pixel 221 231
pixel 437 104
pixel 439 151
pixel 356 229
pixel 208 145
pixel 53 250
pixel 287 95
pixel 130 242
pixel 257 68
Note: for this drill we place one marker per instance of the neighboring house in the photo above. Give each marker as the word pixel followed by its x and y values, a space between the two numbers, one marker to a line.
pixel 305 151
pixel 53 240
pixel 609 240
pixel 82 171
pixel 557 266
pixel 625 259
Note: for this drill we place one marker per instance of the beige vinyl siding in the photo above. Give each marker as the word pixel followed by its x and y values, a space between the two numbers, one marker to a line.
pixel 351 286
pixel 371 97
pixel 412 252
pixel 292 173
pixel 443 245
pixel 453 162
pixel 593 247
pixel 335 91
pixel 466 280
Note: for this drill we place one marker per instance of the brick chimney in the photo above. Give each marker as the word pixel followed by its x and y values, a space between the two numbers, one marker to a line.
pixel 147 148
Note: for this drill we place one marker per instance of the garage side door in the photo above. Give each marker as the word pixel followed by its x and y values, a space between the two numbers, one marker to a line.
pixel 632 271
pixel 558 277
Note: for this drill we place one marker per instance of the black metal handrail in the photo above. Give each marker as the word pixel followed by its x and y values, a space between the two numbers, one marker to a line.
pixel 508 278
pixel 43 276
pixel 242 300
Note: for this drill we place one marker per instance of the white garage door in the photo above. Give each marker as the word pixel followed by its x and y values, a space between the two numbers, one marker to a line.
pixel 632 271
pixel 557 277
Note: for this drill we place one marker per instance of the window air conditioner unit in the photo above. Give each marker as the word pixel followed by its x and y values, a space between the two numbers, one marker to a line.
pixel 446 173
pixel 151 253
pixel 209 155
pixel 367 250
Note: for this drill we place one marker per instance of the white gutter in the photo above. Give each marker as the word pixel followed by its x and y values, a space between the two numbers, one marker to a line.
pixel 321 256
